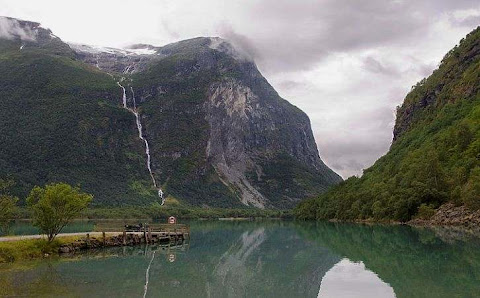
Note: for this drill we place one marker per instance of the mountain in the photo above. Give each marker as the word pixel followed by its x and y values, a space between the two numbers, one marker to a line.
pixel 194 121
pixel 434 158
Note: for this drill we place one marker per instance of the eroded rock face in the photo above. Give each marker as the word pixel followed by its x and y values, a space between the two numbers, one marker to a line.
pixel 246 131
pixel 232 110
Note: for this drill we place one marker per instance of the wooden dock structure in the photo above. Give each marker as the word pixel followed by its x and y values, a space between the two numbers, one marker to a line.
pixel 148 233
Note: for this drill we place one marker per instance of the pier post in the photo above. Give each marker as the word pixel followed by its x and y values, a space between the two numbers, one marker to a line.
pixel 104 240
pixel 145 234
pixel 124 238
pixel 88 240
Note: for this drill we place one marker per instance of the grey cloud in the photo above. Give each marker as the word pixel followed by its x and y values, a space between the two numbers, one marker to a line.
pixel 350 156
pixel 375 66
pixel 365 137
pixel 305 32
pixel 470 22
pixel 172 33
pixel 12 29
pixel 240 42
pixel 290 84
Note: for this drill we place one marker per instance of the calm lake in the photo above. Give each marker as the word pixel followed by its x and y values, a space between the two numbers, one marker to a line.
pixel 263 259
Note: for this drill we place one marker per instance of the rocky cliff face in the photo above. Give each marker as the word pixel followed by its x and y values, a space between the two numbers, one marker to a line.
pixel 219 134
pixel 246 131
pixel 223 124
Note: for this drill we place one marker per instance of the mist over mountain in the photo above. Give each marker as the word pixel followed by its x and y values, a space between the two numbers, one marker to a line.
pixel 194 120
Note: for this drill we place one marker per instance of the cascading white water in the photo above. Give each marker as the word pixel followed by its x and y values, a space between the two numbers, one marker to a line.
pixel 139 127
pixel 124 98
pixel 140 135
pixel 96 62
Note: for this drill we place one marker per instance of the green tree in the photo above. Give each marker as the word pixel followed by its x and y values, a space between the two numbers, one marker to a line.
pixel 464 136
pixel 471 190
pixel 54 206
pixel 8 203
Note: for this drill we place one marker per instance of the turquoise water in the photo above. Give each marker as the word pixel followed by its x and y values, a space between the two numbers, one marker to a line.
pixel 266 259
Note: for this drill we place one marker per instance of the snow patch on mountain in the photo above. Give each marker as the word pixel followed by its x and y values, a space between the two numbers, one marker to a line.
pixel 113 51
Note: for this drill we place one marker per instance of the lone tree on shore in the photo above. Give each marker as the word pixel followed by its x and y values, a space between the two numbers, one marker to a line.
pixel 8 203
pixel 54 206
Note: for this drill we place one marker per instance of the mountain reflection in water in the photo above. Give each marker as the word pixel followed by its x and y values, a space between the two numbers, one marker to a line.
pixel 348 279
pixel 266 259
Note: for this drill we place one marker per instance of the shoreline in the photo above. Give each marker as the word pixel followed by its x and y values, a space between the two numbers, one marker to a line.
pixel 30 247
pixel 447 215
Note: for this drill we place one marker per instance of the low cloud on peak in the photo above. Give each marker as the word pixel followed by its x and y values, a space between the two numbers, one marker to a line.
pixel 346 63
pixel 13 29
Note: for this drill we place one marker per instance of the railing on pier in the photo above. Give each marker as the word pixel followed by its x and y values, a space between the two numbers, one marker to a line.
pixel 162 229
pixel 150 233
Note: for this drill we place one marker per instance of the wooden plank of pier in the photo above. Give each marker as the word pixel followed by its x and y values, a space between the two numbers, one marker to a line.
pixel 157 231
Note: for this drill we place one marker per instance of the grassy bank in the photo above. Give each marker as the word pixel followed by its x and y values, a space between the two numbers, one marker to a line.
pixel 28 249
pixel 157 213
pixel 163 212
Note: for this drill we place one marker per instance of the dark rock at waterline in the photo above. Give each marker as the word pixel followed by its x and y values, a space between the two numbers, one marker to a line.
pixel 451 215
pixel 111 241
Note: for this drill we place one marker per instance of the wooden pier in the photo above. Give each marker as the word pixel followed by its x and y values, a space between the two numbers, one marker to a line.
pixel 151 233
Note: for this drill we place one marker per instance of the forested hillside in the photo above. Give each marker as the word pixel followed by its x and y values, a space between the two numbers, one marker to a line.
pixel 435 155
pixel 60 121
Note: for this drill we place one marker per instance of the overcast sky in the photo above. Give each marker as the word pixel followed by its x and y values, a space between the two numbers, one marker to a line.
pixel 346 63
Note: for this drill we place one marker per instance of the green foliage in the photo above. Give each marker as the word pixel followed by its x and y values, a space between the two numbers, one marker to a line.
pixel 434 158
pixel 471 190
pixel 17 250
pixel 54 206
pixel 157 212
pixel 284 178
pixel 62 120
pixel 425 211
pixel 8 203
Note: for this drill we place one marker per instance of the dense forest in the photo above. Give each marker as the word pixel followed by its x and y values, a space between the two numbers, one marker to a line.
pixel 435 154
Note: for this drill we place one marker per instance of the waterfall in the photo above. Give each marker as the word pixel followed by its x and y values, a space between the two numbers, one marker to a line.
pixel 124 98
pixel 140 135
